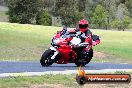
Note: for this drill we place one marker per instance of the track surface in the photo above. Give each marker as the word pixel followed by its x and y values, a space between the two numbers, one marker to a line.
pixel 33 66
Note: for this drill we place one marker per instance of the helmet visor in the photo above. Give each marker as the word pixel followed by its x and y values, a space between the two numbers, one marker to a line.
pixel 83 26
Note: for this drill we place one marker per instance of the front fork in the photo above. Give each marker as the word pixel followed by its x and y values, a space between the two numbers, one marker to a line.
pixel 55 52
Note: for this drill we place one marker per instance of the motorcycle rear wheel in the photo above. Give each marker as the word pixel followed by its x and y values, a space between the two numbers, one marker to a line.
pixel 84 62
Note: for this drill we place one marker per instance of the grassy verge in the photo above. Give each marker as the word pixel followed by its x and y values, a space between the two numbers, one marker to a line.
pixel 2 13
pixel 3 16
pixel 27 82
pixel 116 43
pixel 24 42
pixel 28 42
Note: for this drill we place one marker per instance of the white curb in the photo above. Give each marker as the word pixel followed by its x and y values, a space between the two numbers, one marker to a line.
pixel 61 72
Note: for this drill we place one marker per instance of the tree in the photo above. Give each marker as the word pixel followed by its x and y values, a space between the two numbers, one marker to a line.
pixel 90 5
pixel 47 5
pixel 81 5
pixel 110 7
pixel 128 4
pixel 67 10
pixel 99 17
pixel 44 18
pixel 121 25
pixel 22 11
pixel 122 11
pixel 122 17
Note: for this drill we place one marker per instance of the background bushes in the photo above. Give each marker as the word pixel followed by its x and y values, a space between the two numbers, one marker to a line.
pixel 44 18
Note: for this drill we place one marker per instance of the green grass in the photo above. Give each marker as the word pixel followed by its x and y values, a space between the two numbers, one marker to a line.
pixel 117 43
pixel 26 82
pixel 2 13
pixel 130 26
pixel 3 16
pixel 28 42
pixel 24 42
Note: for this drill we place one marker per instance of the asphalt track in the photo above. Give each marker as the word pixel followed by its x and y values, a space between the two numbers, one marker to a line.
pixel 30 68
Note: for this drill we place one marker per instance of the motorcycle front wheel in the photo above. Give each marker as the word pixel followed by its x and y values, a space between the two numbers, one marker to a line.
pixel 46 58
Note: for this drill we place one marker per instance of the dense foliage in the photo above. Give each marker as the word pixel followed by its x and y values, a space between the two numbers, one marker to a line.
pixel 44 18
pixel 105 14
pixel 22 11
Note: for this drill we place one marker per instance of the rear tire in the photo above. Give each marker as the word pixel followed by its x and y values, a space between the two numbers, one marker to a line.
pixel 83 62
pixel 46 58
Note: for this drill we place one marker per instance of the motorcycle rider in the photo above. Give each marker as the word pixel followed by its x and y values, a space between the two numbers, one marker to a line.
pixel 82 31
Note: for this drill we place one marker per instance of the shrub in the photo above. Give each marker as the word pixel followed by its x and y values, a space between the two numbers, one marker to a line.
pixel 22 11
pixel 44 18
pixel 121 24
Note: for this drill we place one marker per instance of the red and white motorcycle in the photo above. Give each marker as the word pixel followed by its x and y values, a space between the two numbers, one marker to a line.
pixel 68 50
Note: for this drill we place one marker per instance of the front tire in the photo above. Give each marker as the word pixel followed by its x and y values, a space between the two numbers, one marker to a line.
pixel 46 58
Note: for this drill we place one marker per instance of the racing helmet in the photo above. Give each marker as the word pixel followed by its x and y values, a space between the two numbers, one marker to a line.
pixel 83 25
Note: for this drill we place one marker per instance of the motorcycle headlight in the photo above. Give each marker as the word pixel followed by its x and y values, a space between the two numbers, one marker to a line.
pixel 56 41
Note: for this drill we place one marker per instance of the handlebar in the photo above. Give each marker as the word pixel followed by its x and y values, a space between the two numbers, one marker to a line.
pixel 80 46
pixel 83 44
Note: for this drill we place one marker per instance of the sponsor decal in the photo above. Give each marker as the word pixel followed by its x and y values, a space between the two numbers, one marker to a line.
pixel 83 78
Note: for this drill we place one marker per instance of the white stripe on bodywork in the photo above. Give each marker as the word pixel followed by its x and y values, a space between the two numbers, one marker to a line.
pixel 55 53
